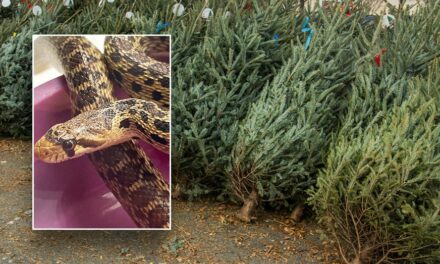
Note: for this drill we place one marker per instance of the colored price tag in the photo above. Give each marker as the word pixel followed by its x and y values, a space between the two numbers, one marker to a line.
pixel 160 26
pixel 276 37
pixel 377 57
pixel 305 28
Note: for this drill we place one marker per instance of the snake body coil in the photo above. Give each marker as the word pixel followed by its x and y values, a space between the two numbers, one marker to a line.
pixel 102 123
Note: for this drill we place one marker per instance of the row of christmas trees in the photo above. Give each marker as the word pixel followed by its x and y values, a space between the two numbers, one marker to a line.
pixel 281 106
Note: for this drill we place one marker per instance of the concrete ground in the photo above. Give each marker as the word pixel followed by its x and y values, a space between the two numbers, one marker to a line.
pixel 202 232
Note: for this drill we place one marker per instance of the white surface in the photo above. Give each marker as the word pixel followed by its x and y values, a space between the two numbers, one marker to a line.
pixel 36 10
pixel 6 3
pixel 68 2
pixel 178 9
pixel 46 65
pixel 129 14
pixel 207 12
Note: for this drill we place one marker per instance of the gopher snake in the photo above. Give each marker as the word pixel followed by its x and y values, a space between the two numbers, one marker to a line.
pixel 103 127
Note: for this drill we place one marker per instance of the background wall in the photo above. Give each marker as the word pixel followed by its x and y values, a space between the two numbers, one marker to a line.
pixel 46 65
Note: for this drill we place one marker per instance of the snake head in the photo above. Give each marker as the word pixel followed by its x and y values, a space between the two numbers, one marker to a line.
pixel 67 141
pixel 56 145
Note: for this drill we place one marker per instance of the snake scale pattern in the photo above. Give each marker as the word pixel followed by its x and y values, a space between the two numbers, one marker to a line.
pixel 103 127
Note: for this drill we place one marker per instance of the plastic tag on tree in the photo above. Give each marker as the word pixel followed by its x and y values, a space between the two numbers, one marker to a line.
pixel 68 3
pixel 207 13
pixel 178 9
pixel 129 14
pixel 36 10
pixel 388 21
pixel 6 3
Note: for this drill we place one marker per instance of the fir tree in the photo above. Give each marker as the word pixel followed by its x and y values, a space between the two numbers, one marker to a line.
pixel 378 194
pixel 15 71
pixel 283 139
pixel 368 194
pixel 215 80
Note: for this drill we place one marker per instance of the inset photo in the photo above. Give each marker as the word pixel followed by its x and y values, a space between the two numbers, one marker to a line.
pixel 101 132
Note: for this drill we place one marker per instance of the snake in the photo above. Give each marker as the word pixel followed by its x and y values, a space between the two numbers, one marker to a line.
pixel 106 129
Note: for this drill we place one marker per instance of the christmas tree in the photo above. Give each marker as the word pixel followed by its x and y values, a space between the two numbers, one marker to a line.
pixel 15 71
pixel 217 76
pixel 283 139
pixel 378 191
pixel 378 194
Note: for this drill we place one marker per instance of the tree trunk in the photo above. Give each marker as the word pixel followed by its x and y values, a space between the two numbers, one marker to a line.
pixel 357 260
pixel 248 207
pixel 297 212
pixel 177 193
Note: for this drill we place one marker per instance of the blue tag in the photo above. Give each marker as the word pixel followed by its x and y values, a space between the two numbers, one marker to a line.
pixel 161 26
pixel 305 28
pixel 276 36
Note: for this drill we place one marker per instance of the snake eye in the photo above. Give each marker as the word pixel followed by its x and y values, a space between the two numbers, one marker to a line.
pixel 68 144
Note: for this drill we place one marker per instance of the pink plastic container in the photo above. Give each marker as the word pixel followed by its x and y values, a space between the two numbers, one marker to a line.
pixel 71 194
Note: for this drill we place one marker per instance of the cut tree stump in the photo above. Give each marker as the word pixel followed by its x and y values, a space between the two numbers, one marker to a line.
pixel 248 208
pixel 297 212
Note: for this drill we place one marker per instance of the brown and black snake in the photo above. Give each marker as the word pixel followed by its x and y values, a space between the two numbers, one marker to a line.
pixel 105 129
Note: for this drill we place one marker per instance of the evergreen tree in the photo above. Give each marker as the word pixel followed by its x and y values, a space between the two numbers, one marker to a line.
pixel 213 88
pixel 15 71
pixel 374 196
pixel 283 139
pixel 378 194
